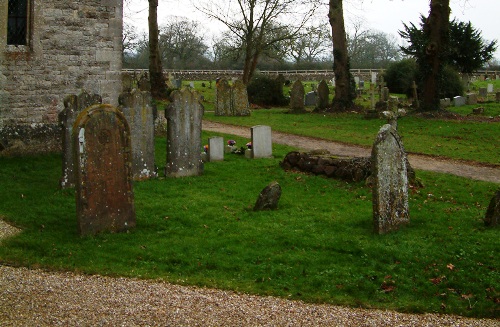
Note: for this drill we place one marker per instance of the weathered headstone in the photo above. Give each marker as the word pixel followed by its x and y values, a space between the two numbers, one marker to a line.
pixel 216 148
pixel 144 83
pixel 311 99
pixel 483 92
pixel 136 106
pixel 297 97
pixel 262 144
pixel 492 217
pixel 73 106
pixel 127 82
pixel 497 96
pixel 458 101
pixel 104 195
pixel 390 181
pixel 184 116
pixel 471 98
pixel 223 98
pixel 490 88
pixel 239 105
pixel 445 103
pixel 269 197
pixel 323 96
pixel 385 94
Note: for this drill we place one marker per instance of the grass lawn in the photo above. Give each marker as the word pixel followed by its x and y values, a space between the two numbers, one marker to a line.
pixel 318 247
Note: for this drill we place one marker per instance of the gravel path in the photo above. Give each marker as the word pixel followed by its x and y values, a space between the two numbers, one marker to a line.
pixel 478 172
pixel 32 297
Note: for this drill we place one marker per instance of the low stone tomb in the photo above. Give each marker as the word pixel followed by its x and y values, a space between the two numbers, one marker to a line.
pixel 184 117
pixel 73 106
pixel 262 145
pixel 458 101
pixel 390 181
pixel 104 195
pixel 216 148
pixel 471 98
pixel 136 106
pixel 311 99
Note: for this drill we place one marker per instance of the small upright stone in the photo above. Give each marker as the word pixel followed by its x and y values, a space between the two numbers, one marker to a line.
pixel 390 181
pixel 184 116
pixel 104 195
pixel 323 96
pixel 216 148
pixel 73 106
pixel 269 197
pixel 492 217
pixel 297 97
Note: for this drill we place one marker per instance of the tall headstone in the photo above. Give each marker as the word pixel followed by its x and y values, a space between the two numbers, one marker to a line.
pixel 297 97
pixel 184 116
pixel 262 144
pixel 323 96
pixel 239 105
pixel 73 106
pixel 136 106
pixel 104 195
pixel 223 98
pixel 216 148
pixel 390 184
pixel 374 78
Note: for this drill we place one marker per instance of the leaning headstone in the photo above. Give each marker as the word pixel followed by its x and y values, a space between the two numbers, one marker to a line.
pixel 490 88
pixel 73 106
pixel 262 144
pixel 104 195
pixel 483 92
pixel 216 148
pixel 492 217
pixel 239 102
pixel 223 98
pixel 458 101
pixel 136 106
pixel 471 98
pixel 390 181
pixel 297 93
pixel 184 116
pixel 323 96
pixel 311 99
pixel 269 197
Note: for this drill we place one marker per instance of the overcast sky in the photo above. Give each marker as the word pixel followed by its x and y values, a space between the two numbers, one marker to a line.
pixel 382 15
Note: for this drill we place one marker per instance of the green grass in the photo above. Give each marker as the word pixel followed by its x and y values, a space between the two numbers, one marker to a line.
pixel 318 247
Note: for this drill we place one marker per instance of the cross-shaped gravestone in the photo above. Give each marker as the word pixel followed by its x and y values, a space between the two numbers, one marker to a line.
pixel 393 113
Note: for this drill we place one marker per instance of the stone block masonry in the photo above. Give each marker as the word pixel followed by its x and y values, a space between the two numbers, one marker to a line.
pixel 72 46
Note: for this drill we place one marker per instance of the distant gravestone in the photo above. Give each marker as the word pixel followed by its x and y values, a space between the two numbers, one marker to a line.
pixel 374 78
pixel 483 92
pixel 385 94
pixel 356 80
pixel 184 116
pixel 297 97
pixel 490 88
pixel 471 98
pixel 361 85
pixel 216 148
pixel 311 99
pixel 445 103
pixel 104 195
pixel 492 217
pixel 497 97
pixel 390 181
pixel 73 106
pixel 262 144
pixel 136 106
pixel 223 98
pixel 268 198
pixel 127 82
pixel 239 105
pixel 323 96
pixel 458 101
pixel 144 84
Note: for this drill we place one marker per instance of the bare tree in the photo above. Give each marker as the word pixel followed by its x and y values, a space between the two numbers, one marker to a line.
pixel 158 86
pixel 258 25
pixel 344 90
pixel 310 45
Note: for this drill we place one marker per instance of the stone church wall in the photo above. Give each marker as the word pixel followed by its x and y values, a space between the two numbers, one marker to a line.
pixel 72 46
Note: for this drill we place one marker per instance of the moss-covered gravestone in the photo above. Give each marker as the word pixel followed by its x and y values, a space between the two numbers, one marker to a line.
pixel 297 94
pixel 104 195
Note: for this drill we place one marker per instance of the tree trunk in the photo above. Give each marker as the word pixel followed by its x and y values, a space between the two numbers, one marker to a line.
pixel 157 80
pixel 437 30
pixel 343 99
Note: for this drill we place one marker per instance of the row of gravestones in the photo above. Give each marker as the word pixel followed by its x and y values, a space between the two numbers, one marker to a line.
pixel 299 100
pixel 231 100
